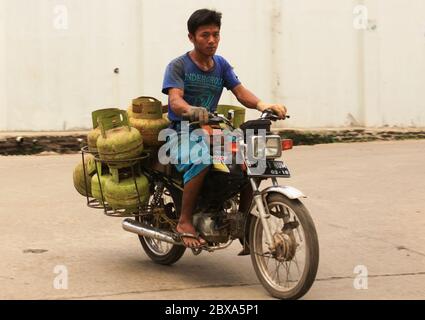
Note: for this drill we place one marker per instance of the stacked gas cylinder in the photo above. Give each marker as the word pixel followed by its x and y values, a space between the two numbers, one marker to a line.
pixel 147 116
pixel 111 170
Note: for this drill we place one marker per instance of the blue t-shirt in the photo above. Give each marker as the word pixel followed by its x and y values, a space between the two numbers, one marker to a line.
pixel 201 88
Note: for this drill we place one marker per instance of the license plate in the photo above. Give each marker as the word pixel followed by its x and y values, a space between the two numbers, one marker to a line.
pixel 273 168
pixel 277 168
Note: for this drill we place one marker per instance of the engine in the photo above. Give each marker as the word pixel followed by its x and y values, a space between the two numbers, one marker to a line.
pixel 220 226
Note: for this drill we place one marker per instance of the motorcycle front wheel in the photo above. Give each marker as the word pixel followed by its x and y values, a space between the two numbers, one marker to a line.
pixel 288 272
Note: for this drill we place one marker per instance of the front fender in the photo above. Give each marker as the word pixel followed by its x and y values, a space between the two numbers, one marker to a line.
pixel 290 192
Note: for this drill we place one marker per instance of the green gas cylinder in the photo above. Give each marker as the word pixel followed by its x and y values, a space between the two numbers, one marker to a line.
pixel 95 186
pixel 94 134
pixel 123 191
pixel 80 183
pixel 118 141
pixel 146 115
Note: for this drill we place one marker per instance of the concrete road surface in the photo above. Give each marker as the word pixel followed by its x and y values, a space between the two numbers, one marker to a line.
pixel 367 200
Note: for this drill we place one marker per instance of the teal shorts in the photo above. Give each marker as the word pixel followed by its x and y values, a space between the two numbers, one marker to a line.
pixel 190 157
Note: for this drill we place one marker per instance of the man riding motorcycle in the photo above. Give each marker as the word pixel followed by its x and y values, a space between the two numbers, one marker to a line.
pixel 194 83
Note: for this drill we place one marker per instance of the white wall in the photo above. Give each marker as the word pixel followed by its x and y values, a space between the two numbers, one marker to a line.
pixel 396 70
pixel 3 104
pixel 56 77
pixel 318 79
pixel 304 53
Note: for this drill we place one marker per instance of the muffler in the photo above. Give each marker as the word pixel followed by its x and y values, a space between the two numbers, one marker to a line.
pixel 144 230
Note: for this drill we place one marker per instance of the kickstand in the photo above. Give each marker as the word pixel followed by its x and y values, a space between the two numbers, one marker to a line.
pixel 245 250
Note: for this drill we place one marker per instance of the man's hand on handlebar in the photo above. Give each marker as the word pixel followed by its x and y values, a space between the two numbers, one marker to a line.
pixel 197 114
pixel 278 109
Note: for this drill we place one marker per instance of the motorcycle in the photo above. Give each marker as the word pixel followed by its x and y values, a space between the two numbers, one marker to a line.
pixel 278 232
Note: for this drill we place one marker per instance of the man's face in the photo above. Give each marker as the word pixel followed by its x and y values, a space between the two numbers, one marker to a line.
pixel 206 39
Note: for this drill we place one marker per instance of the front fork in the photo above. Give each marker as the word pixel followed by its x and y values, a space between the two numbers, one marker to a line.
pixel 263 212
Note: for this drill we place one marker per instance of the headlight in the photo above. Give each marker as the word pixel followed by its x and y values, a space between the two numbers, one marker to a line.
pixel 266 147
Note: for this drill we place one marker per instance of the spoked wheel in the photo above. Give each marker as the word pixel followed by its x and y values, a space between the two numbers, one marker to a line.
pixel 159 251
pixel 289 271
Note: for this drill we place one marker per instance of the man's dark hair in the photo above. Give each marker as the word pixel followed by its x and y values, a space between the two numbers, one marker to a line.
pixel 203 17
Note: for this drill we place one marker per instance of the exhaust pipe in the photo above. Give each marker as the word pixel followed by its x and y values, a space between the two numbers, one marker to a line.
pixel 148 231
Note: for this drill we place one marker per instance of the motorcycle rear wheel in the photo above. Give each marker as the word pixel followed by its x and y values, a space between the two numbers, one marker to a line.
pixel 305 249
pixel 159 251
pixel 156 252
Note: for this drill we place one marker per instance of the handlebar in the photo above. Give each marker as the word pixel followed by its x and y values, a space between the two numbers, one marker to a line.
pixel 270 115
pixel 211 116
pixel 267 114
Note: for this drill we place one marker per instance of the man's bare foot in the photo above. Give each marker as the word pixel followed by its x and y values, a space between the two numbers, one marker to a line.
pixel 190 240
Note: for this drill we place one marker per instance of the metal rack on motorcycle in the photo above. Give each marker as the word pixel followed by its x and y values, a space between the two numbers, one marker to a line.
pixel 119 187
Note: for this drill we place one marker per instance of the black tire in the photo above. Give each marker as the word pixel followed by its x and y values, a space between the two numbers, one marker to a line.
pixel 311 254
pixel 174 255
pixel 175 252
